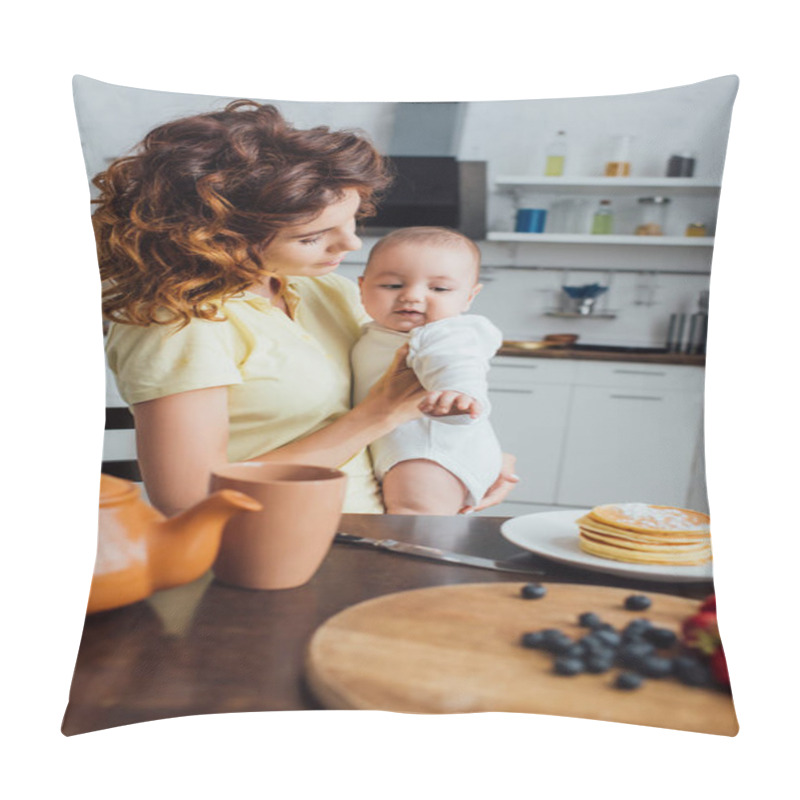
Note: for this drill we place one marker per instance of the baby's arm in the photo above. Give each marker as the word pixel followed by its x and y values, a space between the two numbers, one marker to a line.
pixel 451 359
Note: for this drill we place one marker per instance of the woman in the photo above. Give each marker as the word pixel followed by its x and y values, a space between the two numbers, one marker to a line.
pixel 231 337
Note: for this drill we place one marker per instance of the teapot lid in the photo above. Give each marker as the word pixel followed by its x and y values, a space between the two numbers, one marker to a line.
pixel 113 490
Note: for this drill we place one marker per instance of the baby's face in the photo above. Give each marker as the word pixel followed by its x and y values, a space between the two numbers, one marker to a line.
pixel 411 284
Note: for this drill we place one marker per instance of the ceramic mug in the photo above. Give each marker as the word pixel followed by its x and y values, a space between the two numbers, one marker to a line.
pixel 284 544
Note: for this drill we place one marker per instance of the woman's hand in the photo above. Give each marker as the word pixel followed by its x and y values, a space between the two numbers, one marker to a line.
pixel 500 489
pixel 398 392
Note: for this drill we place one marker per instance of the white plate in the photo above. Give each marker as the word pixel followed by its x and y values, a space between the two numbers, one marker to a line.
pixel 554 535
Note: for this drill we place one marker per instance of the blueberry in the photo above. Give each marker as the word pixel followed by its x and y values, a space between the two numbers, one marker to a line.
pixel 610 638
pixel 594 639
pixel 637 602
pixel 600 652
pixel 589 620
pixel 534 639
pixel 575 650
pixel 662 638
pixel 555 640
pixel 559 646
pixel 628 640
pixel 639 649
pixel 533 591
pixel 597 664
pixel 568 666
pixel 628 680
pixel 654 666
pixel 592 643
pixel 632 655
pixel 691 671
pixel 636 630
pixel 638 625
pixel 606 626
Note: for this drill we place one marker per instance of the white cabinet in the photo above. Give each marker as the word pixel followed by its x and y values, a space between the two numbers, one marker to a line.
pixel 530 403
pixel 592 432
pixel 530 422
pixel 629 445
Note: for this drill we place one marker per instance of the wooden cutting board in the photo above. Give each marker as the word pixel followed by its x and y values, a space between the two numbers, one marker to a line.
pixel 456 649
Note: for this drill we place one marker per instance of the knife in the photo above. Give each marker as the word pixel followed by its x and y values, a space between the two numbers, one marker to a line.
pixel 435 554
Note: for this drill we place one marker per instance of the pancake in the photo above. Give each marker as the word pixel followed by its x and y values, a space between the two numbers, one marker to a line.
pixel 645 518
pixel 639 533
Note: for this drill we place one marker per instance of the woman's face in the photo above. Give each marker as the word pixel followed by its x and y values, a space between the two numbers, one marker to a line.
pixel 316 247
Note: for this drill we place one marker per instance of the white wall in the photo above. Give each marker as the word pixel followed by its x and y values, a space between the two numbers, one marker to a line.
pixel 512 134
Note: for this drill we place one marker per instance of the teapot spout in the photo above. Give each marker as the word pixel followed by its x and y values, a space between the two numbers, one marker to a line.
pixel 185 546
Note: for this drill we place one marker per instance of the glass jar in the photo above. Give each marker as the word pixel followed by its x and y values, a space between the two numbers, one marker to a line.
pixel 619 166
pixel 652 216
pixel 696 229
pixel 603 220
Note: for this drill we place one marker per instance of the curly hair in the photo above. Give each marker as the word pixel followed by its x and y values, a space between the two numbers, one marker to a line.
pixel 182 223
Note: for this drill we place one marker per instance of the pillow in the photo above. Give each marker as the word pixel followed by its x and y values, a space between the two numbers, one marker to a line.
pixel 595 222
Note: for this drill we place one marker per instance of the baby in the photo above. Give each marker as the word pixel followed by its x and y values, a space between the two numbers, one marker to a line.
pixel 416 284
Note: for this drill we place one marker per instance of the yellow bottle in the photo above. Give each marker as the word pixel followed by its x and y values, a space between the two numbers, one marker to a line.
pixel 556 156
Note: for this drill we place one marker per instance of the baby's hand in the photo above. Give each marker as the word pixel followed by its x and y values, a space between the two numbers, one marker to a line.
pixel 448 403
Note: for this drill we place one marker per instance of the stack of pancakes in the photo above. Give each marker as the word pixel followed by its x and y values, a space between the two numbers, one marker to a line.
pixel 645 534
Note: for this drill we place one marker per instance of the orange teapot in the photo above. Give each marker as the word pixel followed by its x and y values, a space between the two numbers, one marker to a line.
pixel 140 551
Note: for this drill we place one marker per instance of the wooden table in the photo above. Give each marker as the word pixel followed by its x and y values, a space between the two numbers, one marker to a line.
pixel 207 648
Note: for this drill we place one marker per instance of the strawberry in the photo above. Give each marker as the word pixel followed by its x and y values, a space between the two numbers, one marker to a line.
pixel 709 604
pixel 719 667
pixel 700 632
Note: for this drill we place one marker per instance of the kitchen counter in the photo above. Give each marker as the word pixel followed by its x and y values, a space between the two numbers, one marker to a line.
pixel 207 648
pixel 604 355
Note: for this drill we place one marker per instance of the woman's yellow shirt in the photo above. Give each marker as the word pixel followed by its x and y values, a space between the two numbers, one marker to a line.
pixel 286 377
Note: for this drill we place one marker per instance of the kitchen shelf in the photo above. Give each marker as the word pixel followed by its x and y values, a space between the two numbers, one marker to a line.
pixel 577 315
pixel 592 185
pixel 601 239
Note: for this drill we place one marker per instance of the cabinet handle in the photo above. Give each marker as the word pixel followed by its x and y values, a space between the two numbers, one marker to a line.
pixel 638 372
pixel 511 391
pixel 633 397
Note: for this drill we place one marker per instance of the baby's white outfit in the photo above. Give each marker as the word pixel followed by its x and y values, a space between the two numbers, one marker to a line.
pixel 449 354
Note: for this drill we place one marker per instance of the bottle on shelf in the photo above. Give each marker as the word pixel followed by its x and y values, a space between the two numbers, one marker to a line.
pixel 653 212
pixel 603 220
pixel 677 322
pixel 698 327
pixel 556 155
pixel 681 165
pixel 620 164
